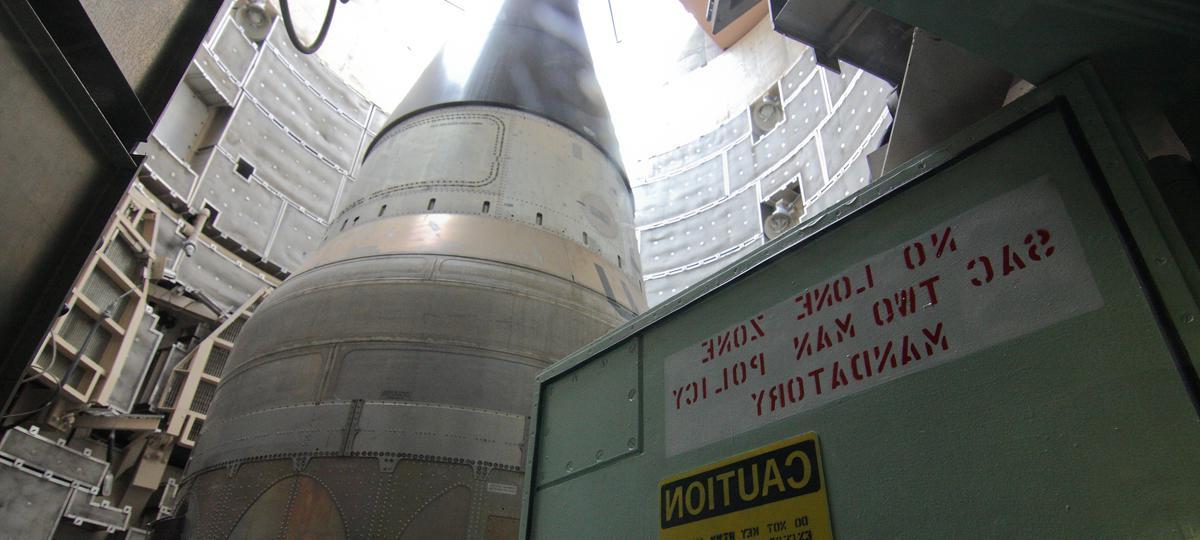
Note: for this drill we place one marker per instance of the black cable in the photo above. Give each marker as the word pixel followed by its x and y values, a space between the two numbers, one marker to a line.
pixel 291 30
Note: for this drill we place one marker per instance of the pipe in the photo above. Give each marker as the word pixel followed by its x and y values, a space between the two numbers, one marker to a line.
pixel 197 227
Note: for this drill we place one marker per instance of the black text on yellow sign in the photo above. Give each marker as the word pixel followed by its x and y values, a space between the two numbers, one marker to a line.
pixel 776 492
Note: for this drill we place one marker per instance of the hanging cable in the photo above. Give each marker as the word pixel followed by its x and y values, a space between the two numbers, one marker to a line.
pixel 107 313
pixel 291 30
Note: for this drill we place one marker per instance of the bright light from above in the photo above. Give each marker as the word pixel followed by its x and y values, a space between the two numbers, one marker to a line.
pixel 639 47
pixel 463 52
pixel 380 47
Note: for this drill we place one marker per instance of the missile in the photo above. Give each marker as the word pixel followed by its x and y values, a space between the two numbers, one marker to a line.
pixel 386 388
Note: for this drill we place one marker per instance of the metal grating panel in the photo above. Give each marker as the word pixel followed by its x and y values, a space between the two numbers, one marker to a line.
pixel 75 331
pixel 56 360
pixel 46 355
pixel 80 379
pixel 216 361
pixel 203 397
pixel 53 459
pixel 196 429
pixel 230 333
pixel 173 388
pixel 126 258
pixel 686 190
pixel 103 291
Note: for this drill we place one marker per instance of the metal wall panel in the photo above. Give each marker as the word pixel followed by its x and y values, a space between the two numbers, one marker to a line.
pixel 803 164
pixel 851 124
pixel 298 235
pixel 667 284
pixel 293 430
pixel 853 179
pixel 227 281
pixel 182 123
pixel 377 121
pixel 211 80
pixel 247 209
pixel 698 186
pixel 168 168
pixel 829 125
pixel 701 236
pixel 321 79
pixel 595 412
pixel 234 51
pixel 280 159
pixel 836 84
pixel 796 76
pixel 303 112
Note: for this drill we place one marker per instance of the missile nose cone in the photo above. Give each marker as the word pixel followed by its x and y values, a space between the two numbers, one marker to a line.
pixel 386 388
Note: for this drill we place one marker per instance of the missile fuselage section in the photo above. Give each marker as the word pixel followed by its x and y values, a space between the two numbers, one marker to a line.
pixel 386 389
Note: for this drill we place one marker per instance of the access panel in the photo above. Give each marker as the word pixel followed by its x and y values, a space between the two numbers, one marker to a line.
pixel 996 341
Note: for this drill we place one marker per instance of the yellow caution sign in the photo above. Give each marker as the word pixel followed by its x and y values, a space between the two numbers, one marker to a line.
pixel 776 492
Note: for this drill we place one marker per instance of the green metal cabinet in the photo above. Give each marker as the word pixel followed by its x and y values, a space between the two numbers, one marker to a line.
pixel 1047 391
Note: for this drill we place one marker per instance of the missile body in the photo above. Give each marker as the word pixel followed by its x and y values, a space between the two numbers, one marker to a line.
pixel 385 390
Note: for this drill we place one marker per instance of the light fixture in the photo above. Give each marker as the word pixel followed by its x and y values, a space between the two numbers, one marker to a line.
pixel 765 113
pixel 255 19
pixel 779 221
pixel 784 209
